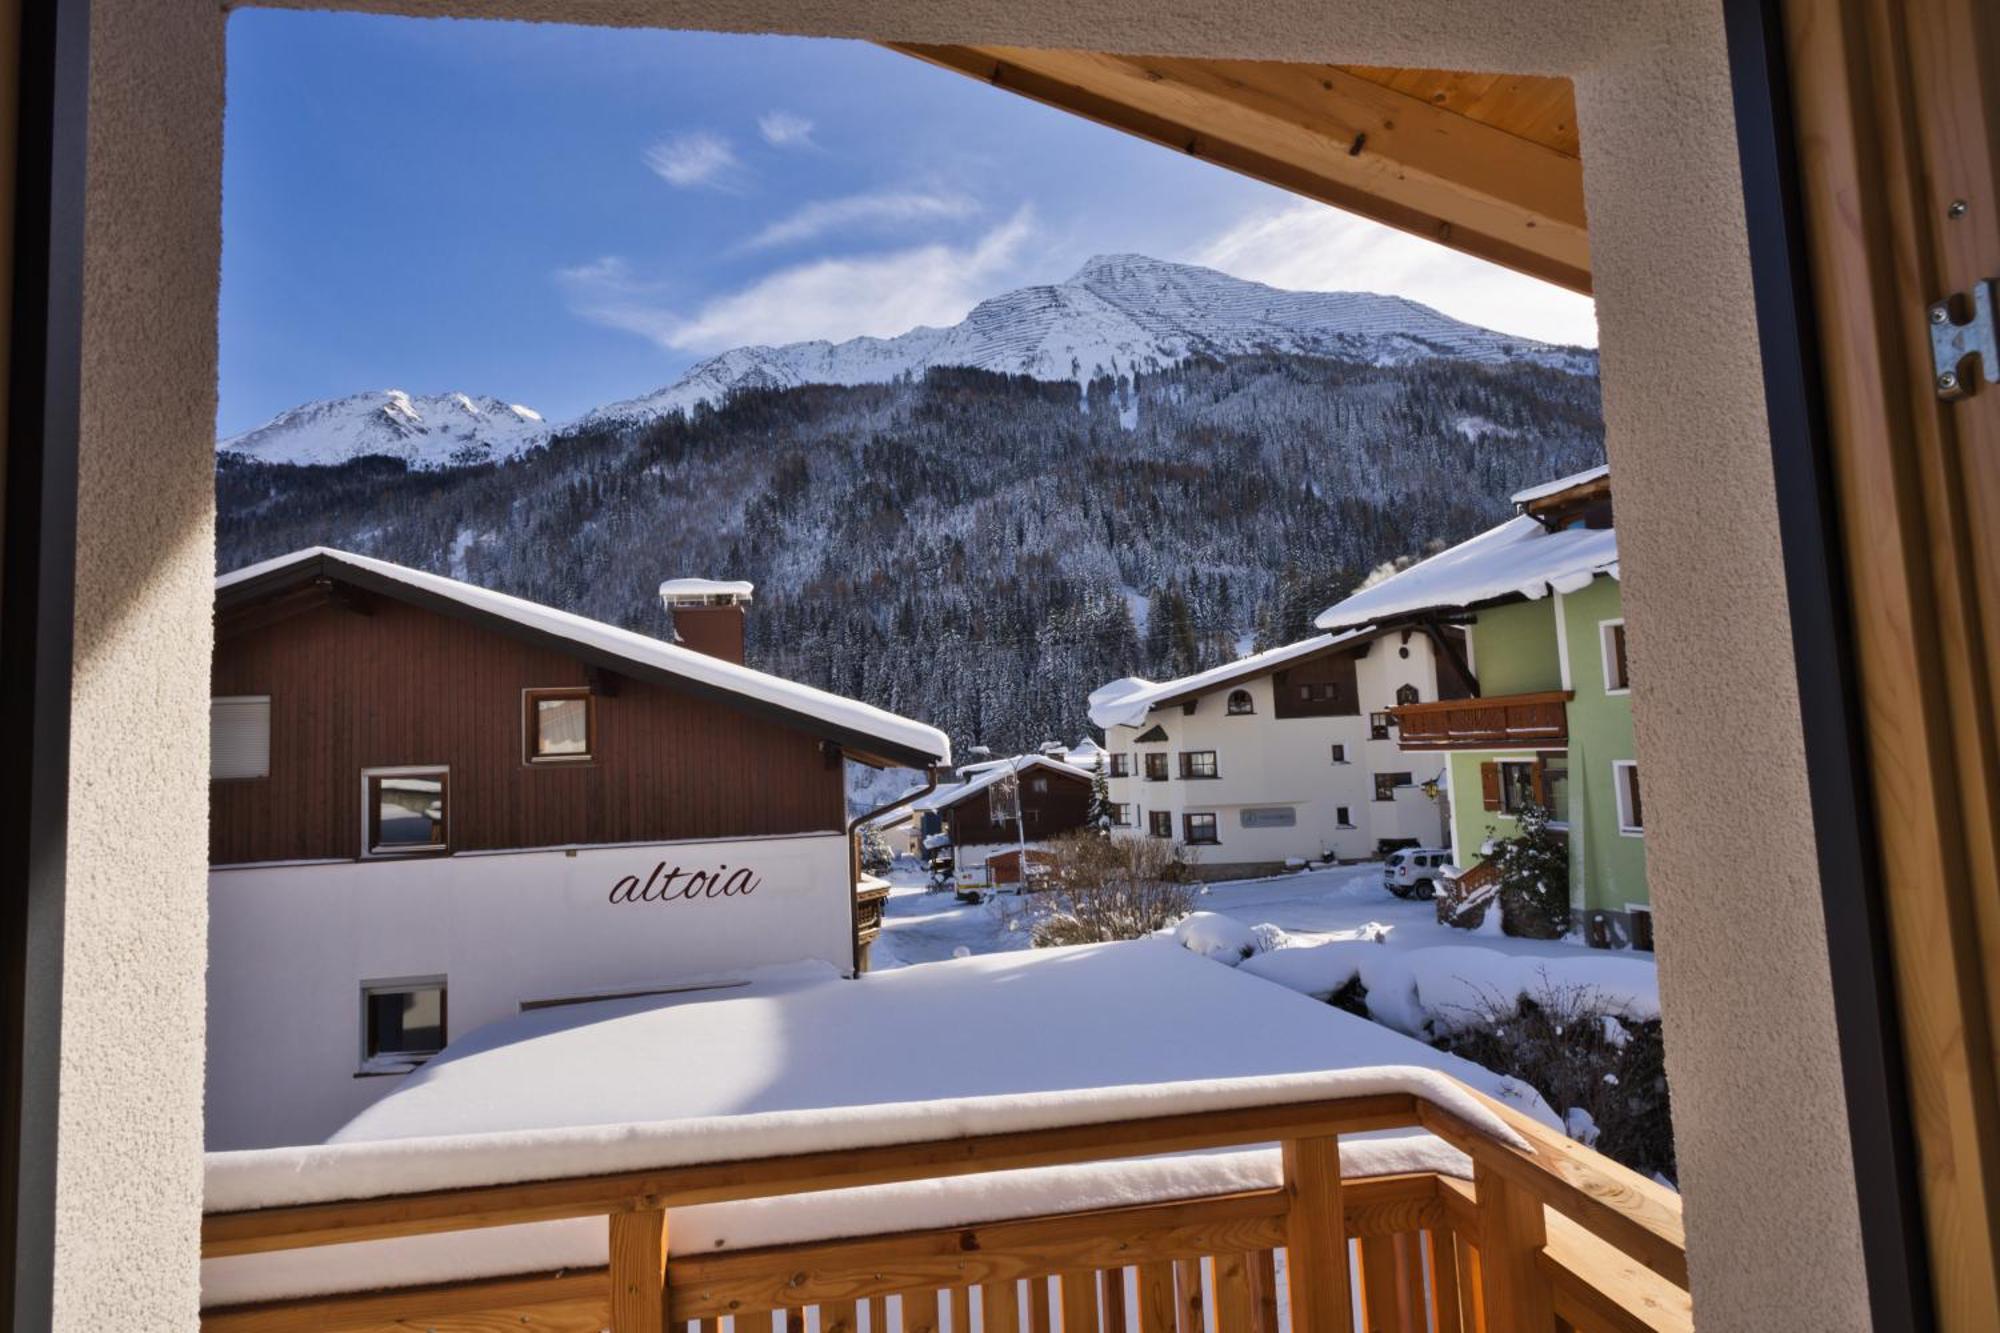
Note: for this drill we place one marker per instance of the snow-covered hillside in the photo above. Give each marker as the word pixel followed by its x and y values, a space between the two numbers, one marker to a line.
pixel 1117 315
pixel 425 431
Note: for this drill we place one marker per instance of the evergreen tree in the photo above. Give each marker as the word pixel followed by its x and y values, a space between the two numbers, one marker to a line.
pixel 1099 814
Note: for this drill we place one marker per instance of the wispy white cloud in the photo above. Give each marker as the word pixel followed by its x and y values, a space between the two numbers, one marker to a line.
pixel 782 129
pixel 1312 247
pixel 863 210
pixel 695 159
pixel 834 298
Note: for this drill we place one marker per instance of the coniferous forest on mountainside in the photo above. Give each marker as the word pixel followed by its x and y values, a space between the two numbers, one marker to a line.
pixel 976 550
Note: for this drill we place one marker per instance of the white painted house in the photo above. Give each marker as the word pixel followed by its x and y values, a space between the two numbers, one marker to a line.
pixel 1283 756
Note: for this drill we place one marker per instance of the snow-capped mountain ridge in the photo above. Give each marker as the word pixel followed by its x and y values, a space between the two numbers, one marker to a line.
pixel 425 431
pixel 1117 315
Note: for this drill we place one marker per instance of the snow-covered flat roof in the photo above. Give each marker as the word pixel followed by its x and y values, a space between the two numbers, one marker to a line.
pixel 1519 558
pixel 800 1060
pixel 904 739
pixel 1126 701
pixel 990 773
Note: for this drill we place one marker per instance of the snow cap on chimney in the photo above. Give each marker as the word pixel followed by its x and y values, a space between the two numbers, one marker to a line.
pixel 708 615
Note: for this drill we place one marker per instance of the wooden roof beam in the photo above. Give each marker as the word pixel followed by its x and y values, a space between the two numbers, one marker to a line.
pixel 1328 134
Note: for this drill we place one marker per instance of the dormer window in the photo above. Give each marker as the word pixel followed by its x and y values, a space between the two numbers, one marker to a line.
pixel 1240 703
pixel 1406 694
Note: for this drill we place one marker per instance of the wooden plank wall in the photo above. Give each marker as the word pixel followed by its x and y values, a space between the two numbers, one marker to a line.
pixel 400 685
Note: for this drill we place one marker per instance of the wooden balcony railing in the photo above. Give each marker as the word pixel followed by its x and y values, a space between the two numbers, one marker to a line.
pixel 1527 720
pixel 1546 1235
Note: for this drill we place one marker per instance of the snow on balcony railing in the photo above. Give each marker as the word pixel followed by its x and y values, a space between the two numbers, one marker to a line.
pixel 1024 1203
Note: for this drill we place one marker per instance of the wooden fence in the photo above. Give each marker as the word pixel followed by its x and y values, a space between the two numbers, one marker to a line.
pixel 1546 1237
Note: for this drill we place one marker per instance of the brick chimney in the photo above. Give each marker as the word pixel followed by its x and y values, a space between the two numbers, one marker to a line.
pixel 708 615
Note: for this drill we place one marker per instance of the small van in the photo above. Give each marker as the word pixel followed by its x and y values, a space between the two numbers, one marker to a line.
pixel 1413 871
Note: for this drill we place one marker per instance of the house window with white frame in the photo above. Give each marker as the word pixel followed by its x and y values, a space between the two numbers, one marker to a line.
pixel 1617 672
pixel 1631 811
pixel 402 1023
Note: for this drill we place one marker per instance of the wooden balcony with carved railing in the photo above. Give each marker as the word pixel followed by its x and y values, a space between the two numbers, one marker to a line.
pixel 1530 721
pixel 1545 1235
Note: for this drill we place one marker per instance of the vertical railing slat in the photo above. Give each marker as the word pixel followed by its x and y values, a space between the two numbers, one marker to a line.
pixel 1316 1238
pixel 960 1301
pixel 1445 1299
pixel 1000 1307
pixel 1156 1297
pixel 1191 1306
pixel 1512 1233
pixel 1235 1304
pixel 1039 1318
pixel 1111 1299
pixel 638 1249
pixel 1264 1286
pixel 1079 1302
pixel 838 1317
pixel 919 1311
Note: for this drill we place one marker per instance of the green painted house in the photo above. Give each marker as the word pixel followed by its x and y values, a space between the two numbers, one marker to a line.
pixel 1550 722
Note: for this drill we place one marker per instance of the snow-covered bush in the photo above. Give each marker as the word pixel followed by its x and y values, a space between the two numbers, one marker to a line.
pixel 1109 889
pixel 1534 878
pixel 1218 937
pixel 1606 1074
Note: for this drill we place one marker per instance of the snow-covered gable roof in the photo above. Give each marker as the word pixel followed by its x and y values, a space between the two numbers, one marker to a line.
pixel 1126 701
pixel 1559 485
pixel 993 772
pixel 1520 558
pixel 863 728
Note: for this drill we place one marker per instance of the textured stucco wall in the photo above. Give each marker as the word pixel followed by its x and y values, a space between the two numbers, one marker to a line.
pixel 129 1135
pixel 1764 1151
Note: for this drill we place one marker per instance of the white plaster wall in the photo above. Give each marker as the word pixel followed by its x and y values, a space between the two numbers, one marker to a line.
pixel 1265 760
pixel 1760 1116
pixel 290 946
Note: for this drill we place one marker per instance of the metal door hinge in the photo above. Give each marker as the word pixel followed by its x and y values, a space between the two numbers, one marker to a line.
pixel 1954 344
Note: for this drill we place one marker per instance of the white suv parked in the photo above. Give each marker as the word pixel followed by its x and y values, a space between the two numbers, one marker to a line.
pixel 1413 871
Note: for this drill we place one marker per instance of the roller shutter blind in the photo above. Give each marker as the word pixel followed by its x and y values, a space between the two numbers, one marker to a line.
pixel 239 738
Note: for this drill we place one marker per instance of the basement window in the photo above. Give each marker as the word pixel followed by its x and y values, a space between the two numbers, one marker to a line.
pixel 407 810
pixel 402 1023
pixel 560 725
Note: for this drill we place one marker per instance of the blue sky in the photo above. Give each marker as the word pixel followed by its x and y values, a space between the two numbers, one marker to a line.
pixel 565 216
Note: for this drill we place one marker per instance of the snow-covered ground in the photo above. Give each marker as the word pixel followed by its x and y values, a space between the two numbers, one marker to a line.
pixel 1422 977
pixel 1334 904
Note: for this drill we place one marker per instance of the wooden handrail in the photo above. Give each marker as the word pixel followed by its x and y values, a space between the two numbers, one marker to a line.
pixel 1547 1231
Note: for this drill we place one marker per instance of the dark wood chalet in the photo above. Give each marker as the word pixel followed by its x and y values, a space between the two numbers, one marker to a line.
pixel 364 710
pixel 1055 799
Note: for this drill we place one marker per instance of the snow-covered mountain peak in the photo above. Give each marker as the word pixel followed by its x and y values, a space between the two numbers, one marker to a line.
pixel 424 430
pixel 1116 315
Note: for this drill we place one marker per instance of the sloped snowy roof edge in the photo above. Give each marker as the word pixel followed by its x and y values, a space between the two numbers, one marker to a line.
pixel 869 730
pixel 1126 701
pixel 986 777
pixel 1518 558
pixel 1559 485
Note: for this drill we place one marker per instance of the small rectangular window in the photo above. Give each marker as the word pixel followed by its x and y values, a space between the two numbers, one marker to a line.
pixel 239 738
pixel 1198 764
pixel 1386 784
pixel 1343 816
pixel 1160 823
pixel 1340 754
pixel 1121 814
pixel 1121 765
pixel 1617 674
pixel 1631 811
pixel 1156 766
pixel 1378 726
pixel 1200 829
pixel 408 811
pixel 1517 785
pixel 402 1023
pixel 561 725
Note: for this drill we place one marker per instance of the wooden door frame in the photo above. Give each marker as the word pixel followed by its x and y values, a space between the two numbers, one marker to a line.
pixel 1874 116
